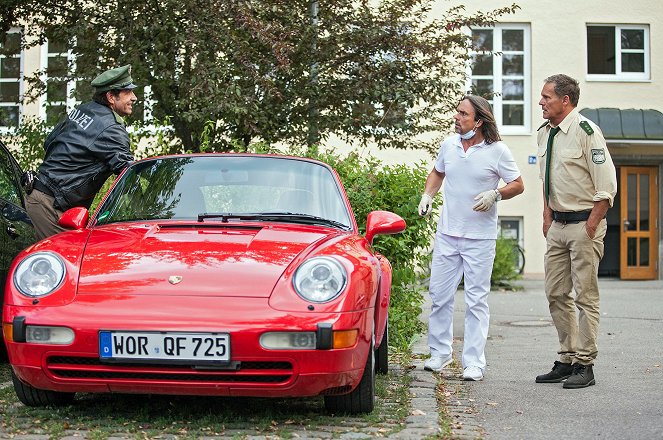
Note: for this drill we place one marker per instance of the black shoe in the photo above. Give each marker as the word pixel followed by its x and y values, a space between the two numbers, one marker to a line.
pixel 560 371
pixel 582 377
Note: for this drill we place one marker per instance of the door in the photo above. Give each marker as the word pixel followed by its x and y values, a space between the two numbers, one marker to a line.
pixel 639 217
pixel 16 231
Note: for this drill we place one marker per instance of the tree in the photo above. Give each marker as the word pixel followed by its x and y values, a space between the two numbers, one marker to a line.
pixel 233 71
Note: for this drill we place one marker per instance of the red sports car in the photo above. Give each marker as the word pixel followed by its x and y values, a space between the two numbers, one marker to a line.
pixel 210 274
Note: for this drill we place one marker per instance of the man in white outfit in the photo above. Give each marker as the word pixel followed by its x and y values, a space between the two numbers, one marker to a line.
pixel 471 163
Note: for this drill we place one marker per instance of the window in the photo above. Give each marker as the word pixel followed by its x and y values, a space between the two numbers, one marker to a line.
pixel 59 90
pixel 617 52
pixel 500 72
pixel 10 79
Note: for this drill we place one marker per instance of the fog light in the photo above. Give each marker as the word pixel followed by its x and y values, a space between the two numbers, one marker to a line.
pixel 38 334
pixel 288 341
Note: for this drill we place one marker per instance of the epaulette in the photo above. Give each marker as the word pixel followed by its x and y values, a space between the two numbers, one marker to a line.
pixel 542 125
pixel 585 126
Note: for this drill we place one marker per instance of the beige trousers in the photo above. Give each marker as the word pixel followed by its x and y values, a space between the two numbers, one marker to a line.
pixel 571 263
pixel 43 215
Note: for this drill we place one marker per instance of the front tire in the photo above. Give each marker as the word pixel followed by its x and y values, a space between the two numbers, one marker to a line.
pixel 362 399
pixel 31 396
pixel 382 353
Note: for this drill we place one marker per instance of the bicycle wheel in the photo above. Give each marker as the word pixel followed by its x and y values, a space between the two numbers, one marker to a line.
pixel 518 259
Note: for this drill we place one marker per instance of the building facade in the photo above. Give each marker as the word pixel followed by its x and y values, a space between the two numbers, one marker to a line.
pixel 614 50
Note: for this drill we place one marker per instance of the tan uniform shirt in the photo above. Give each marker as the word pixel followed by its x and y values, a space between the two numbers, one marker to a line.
pixel 581 170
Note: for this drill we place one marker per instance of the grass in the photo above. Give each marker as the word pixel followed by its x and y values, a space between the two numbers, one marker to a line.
pixel 5 375
pixel 101 416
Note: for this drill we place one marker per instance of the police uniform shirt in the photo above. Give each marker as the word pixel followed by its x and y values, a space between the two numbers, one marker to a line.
pixel 582 171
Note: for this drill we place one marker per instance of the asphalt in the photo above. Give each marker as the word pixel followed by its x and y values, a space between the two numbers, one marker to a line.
pixel 625 403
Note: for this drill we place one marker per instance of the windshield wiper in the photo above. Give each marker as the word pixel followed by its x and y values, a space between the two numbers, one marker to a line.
pixel 275 216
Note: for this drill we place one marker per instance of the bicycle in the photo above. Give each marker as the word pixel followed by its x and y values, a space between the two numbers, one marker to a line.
pixel 518 258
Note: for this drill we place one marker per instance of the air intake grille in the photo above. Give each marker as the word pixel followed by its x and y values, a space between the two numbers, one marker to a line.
pixel 69 367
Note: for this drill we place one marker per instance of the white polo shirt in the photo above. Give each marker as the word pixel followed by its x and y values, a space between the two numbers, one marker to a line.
pixel 467 174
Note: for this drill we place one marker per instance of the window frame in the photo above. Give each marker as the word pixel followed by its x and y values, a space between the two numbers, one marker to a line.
pixel 619 75
pixel 70 102
pixel 21 56
pixel 497 101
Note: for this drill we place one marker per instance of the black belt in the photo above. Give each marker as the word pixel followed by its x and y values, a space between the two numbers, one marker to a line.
pixel 571 217
pixel 43 188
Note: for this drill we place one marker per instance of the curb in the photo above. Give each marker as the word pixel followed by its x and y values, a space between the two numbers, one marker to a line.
pixel 423 421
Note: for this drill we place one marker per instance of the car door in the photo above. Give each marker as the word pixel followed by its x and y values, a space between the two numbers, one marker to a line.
pixel 16 230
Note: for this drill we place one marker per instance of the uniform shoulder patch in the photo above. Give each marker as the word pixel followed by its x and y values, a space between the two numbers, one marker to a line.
pixel 598 155
pixel 586 127
pixel 542 125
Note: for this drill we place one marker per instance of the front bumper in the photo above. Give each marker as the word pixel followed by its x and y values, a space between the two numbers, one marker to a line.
pixel 254 371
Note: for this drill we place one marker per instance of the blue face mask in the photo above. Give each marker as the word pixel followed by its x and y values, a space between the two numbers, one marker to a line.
pixel 470 134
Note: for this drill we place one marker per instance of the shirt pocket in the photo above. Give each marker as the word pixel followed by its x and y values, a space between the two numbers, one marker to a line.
pixel 571 153
pixel 541 151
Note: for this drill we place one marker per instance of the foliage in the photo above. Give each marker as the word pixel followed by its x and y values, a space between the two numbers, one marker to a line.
pixel 380 73
pixel 27 142
pixel 504 267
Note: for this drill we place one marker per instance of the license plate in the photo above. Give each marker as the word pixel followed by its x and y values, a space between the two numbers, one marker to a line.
pixel 164 346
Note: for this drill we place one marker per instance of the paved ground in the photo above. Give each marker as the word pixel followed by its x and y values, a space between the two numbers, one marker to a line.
pixel 624 404
pixel 626 401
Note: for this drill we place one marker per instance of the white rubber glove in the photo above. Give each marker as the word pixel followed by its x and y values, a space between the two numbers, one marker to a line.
pixel 486 200
pixel 425 204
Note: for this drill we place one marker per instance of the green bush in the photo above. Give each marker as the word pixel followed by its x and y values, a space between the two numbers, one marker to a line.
pixel 505 265
pixel 27 142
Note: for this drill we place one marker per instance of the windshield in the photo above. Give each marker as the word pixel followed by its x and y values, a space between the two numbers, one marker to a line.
pixel 187 187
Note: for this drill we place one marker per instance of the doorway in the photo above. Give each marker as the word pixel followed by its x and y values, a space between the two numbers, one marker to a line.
pixel 638 236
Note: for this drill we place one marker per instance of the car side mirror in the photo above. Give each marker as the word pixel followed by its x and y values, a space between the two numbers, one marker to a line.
pixel 74 218
pixel 383 222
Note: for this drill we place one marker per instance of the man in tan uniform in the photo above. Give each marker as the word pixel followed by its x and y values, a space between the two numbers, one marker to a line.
pixel 580 184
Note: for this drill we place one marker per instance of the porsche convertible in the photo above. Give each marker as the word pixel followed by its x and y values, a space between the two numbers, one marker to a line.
pixel 206 274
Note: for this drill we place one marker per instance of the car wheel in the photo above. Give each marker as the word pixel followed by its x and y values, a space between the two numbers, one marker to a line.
pixel 31 396
pixel 3 352
pixel 382 353
pixel 362 399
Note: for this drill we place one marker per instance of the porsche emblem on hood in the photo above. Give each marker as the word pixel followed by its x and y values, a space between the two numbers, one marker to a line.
pixel 174 279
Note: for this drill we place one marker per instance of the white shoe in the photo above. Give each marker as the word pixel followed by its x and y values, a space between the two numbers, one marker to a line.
pixel 472 373
pixel 436 363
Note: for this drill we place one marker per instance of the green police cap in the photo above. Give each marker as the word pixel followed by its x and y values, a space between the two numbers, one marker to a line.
pixel 114 79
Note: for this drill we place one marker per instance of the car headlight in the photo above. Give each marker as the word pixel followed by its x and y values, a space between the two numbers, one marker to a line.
pixel 39 274
pixel 320 279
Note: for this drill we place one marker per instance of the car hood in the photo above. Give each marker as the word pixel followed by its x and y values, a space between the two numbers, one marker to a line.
pixel 233 260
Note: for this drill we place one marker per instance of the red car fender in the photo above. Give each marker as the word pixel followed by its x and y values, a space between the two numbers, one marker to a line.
pixel 382 300
pixel 70 246
pixel 360 293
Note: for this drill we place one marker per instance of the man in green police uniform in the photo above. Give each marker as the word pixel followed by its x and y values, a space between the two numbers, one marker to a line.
pixel 82 151
pixel 580 185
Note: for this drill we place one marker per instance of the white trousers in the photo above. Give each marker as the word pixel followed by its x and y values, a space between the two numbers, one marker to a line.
pixel 454 257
